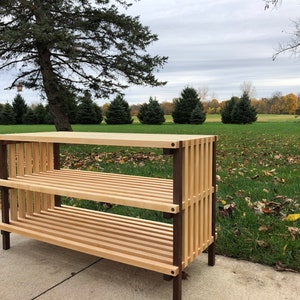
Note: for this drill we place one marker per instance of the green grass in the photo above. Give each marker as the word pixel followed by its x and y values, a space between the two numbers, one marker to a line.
pixel 258 168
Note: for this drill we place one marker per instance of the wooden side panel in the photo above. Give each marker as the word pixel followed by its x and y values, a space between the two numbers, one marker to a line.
pixel 27 159
pixel 197 197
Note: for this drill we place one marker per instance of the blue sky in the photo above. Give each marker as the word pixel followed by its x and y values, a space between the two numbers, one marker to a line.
pixel 216 45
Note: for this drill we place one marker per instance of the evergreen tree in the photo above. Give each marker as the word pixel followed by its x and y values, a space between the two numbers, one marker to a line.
pixel 227 111
pixel 20 108
pixel 197 116
pixel 85 45
pixel 1 109
pixel 69 100
pixel 184 106
pixel 30 117
pixel 151 113
pixel 118 112
pixel 99 114
pixel 40 114
pixel 86 113
pixel 49 118
pixel 243 112
pixel 7 115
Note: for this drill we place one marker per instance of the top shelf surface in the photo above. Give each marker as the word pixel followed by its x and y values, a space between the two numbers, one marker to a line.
pixel 105 138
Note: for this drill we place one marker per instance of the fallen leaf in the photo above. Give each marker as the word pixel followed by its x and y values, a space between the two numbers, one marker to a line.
pixel 264 228
pixel 284 248
pixel 267 210
pixel 294 231
pixel 262 244
pixel 226 210
pixel 293 217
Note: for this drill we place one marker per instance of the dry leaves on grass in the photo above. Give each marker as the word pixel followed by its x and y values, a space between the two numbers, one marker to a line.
pixel 277 205
pixel 95 159
pixel 294 231
pixel 226 210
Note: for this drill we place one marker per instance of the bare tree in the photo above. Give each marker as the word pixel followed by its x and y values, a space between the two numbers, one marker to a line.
pixel 203 93
pixel 293 45
pixel 248 88
pixel 271 2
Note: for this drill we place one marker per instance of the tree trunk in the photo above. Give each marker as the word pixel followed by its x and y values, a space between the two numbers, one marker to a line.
pixel 54 91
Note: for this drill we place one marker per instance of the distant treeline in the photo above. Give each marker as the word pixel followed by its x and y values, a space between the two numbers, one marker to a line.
pixel 85 111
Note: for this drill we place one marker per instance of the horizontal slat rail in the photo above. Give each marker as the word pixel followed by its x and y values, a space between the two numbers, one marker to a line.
pixel 137 242
pixel 170 141
pixel 136 191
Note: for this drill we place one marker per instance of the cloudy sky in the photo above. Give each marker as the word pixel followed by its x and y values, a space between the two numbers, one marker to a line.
pixel 216 45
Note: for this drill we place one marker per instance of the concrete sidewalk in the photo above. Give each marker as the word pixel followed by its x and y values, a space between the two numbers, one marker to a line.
pixel 36 270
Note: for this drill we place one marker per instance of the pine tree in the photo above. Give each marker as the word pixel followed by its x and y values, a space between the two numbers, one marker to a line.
pixel 8 115
pixel 227 111
pixel 99 114
pixel 86 110
pixel 118 112
pixel 20 108
pixel 40 114
pixel 184 106
pixel 197 115
pixel 30 117
pixel 81 45
pixel 151 113
pixel 243 112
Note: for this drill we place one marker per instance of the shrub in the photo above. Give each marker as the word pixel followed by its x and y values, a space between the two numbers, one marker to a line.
pixel 118 112
pixel 7 115
pixel 184 106
pixel 87 112
pixel 239 111
pixel 227 111
pixel 151 113
pixel 197 116
pixel 243 112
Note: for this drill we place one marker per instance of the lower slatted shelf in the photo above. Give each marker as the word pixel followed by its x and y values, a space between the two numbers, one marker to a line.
pixel 142 243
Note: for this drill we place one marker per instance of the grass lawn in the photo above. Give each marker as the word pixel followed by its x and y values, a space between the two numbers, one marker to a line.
pixel 258 172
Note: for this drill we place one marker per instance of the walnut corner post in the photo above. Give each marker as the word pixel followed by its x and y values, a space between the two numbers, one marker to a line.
pixel 56 164
pixel 4 196
pixel 212 247
pixel 177 220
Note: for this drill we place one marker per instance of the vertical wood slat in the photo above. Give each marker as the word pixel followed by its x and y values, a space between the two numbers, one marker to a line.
pixel 36 169
pixel 50 167
pixel 11 150
pixel 28 171
pixel 36 162
pixel 20 171
pixel 40 199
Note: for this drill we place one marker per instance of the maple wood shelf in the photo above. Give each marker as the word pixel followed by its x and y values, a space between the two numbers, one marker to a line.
pixel 31 185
